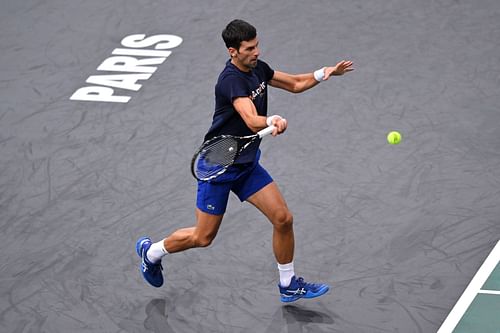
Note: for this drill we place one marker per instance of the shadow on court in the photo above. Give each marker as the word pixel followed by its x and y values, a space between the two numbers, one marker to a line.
pixel 293 318
pixel 157 317
pixel 288 318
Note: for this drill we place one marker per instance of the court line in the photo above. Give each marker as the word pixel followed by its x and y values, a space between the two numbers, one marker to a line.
pixel 471 291
pixel 490 292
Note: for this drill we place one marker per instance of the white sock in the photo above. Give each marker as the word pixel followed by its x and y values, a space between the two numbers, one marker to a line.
pixel 286 274
pixel 156 252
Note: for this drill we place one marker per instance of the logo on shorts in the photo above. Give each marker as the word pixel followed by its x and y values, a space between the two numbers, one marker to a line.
pixel 210 207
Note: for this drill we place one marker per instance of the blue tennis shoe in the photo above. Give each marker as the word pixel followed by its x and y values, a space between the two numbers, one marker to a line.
pixel 151 272
pixel 298 288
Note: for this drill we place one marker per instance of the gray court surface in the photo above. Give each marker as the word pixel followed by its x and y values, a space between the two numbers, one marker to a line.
pixel 398 231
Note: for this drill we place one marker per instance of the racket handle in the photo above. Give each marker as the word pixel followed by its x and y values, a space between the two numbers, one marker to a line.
pixel 266 131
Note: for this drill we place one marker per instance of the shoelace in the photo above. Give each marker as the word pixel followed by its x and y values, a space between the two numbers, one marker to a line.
pixel 156 267
pixel 303 284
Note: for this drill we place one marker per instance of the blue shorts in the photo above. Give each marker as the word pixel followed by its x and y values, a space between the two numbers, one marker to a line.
pixel 243 180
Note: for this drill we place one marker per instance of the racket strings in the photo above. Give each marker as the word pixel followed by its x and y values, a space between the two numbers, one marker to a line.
pixel 221 151
pixel 215 157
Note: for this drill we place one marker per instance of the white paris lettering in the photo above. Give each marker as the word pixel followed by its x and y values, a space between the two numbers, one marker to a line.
pixel 135 62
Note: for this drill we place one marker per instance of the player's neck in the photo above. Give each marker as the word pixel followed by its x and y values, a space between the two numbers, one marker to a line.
pixel 238 65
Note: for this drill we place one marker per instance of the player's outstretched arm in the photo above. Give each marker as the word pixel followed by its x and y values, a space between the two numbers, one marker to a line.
pixel 297 83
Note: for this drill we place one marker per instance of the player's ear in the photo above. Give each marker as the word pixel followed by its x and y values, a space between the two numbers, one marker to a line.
pixel 232 52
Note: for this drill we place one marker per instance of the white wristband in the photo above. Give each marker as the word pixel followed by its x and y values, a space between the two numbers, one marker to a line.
pixel 319 74
pixel 269 120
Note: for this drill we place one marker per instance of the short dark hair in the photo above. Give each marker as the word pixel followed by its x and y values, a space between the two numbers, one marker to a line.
pixel 238 31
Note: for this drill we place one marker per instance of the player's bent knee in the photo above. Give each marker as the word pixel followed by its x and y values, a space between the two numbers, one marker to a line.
pixel 283 219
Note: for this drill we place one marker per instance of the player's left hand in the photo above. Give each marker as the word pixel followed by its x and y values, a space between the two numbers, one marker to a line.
pixel 341 68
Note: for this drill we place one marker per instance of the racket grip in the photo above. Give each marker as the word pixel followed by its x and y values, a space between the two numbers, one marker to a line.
pixel 266 131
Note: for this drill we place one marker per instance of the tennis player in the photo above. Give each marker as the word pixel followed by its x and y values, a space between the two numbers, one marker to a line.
pixel 241 109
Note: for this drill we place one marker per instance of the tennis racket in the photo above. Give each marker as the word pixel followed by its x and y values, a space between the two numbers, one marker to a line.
pixel 216 155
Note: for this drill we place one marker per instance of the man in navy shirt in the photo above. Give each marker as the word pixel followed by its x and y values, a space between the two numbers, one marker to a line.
pixel 241 109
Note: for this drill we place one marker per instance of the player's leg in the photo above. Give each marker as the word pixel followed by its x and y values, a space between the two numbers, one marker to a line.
pixel 201 235
pixel 271 203
pixel 211 205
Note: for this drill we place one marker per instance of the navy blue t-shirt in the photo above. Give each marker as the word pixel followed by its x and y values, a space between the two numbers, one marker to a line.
pixel 233 83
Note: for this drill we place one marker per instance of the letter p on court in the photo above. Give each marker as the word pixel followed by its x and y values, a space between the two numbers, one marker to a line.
pixel 98 94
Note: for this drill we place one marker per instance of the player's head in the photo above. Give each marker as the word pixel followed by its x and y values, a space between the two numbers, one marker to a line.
pixel 242 43
pixel 238 31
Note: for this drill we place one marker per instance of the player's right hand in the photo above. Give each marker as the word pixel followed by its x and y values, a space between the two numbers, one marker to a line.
pixel 280 124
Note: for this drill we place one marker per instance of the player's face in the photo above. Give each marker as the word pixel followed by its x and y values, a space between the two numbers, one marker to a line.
pixel 246 57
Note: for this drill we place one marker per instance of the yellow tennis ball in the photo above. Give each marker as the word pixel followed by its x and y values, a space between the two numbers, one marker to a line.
pixel 394 138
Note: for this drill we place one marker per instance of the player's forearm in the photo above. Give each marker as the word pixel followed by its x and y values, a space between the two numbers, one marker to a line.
pixel 255 123
pixel 246 109
pixel 304 82
pixel 295 83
